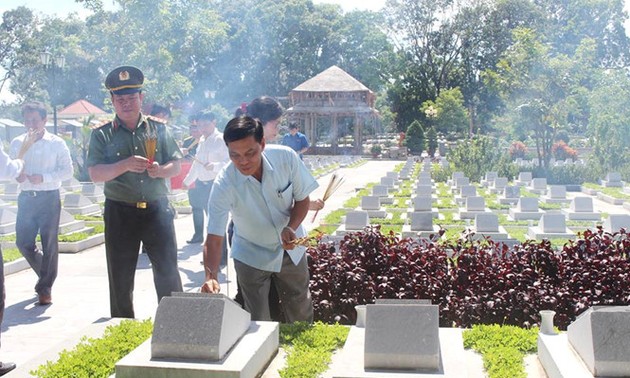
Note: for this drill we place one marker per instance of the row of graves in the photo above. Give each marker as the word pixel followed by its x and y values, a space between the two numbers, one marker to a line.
pixel 324 163
pixel 80 218
pixel 203 335
pixel 493 208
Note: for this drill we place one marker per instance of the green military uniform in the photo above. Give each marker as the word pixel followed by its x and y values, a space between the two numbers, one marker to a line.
pixel 136 207
pixel 113 142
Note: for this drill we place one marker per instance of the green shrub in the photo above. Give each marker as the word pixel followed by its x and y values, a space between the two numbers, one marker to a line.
pixel 97 357
pixel 309 347
pixel 502 348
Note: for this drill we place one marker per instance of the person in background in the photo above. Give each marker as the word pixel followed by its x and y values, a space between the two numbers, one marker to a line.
pixel 134 155
pixel 266 189
pixel 296 140
pixel 211 156
pixel 190 143
pixel 47 163
pixel 161 112
pixel 8 169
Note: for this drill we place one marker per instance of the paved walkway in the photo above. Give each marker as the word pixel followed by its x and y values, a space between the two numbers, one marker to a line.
pixel 81 296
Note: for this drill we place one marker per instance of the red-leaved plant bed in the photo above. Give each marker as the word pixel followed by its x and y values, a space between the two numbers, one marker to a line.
pixel 472 282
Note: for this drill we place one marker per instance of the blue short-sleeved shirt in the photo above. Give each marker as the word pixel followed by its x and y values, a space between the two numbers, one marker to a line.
pixel 297 142
pixel 260 210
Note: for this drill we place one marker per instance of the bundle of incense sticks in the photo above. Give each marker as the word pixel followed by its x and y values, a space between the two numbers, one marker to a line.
pixel 307 241
pixel 149 147
pixel 334 184
pixel 32 136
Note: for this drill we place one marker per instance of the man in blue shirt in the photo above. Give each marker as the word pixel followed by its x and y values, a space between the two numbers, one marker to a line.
pixel 296 140
pixel 266 188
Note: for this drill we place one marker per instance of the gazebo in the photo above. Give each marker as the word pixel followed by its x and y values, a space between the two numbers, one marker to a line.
pixel 332 95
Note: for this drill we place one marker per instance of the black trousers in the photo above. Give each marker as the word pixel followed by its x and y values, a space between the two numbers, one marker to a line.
pixel 125 227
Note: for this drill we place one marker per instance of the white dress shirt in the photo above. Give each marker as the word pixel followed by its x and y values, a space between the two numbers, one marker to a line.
pixel 49 157
pixel 211 149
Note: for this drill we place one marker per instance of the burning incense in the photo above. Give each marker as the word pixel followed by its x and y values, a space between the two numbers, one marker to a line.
pixel 150 144
pixel 334 184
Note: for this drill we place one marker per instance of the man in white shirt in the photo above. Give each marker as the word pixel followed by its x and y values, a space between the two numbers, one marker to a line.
pixel 47 163
pixel 212 155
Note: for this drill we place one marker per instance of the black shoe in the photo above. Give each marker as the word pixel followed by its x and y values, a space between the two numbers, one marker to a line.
pixel 195 240
pixel 6 367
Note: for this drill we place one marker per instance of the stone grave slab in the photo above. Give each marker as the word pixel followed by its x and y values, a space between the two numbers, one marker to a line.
pixel 248 359
pixel 93 192
pixel 526 209
pixel 424 181
pixel 487 226
pixel 550 226
pixel 372 204
pixel 75 203
pixel 498 185
pixel 393 175
pixel 612 180
pixel 10 192
pixel 402 337
pixel 382 191
pixel 524 179
pixel 538 185
pixel 458 183
pixel 600 338
pixel 454 177
pixel 465 192
pixel 474 205
pixel 424 190
pixel 71 185
pixel 424 204
pixel 510 196
pixel 355 221
pixel 616 222
pixel 389 182
pixel 424 175
pixel 197 326
pixel 556 194
pixel 420 225
pixel 489 178
pixel 7 221
pixel 581 208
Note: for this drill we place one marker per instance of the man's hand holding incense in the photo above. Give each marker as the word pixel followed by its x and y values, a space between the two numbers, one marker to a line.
pixel 154 170
pixel 136 163
pixel 288 236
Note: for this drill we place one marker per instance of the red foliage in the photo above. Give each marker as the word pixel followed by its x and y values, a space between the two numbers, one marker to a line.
pixel 518 150
pixel 561 151
pixel 472 282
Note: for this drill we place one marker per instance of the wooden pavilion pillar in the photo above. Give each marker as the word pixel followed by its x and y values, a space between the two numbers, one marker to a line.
pixel 358 135
pixel 335 135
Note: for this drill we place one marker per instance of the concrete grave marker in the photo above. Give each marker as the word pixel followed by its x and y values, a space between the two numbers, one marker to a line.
pixel 197 326
pixel 486 222
pixel 370 203
pixel 422 203
pixel 616 222
pixel 600 337
pixel 402 337
pixel 424 190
